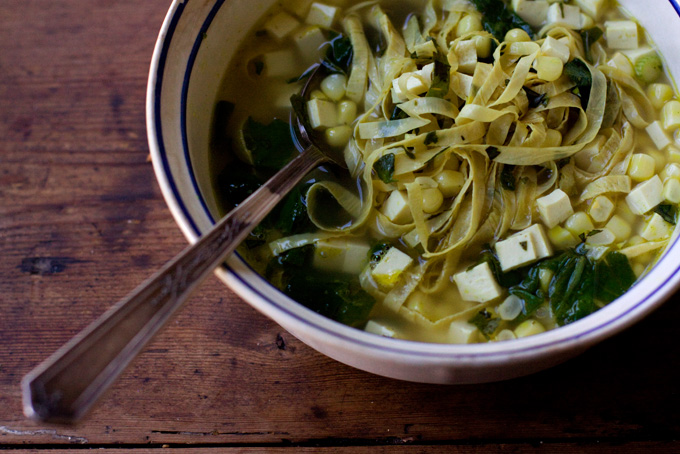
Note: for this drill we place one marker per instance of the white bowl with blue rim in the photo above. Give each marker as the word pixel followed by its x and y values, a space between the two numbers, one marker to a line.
pixel 195 45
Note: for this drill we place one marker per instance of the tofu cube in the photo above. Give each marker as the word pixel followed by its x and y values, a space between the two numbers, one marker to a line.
pixel 341 255
pixel 379 329
pixel 568 15
pixel 462 332
pixel 466 51
pixel 478 284
pixel 322 114
pixel 554 208
pixel 310 42
pixel 619 227
pixel 593 8
pixel 541 242
pixel 645 196
pixel 671 190
pixel 281 25
pixel 554 48
pixel 390 268
pixel 534 12
pixel 396 208
pixel 601 209
pixel 621 34
pixel 321 15
pixel 516 251
pixel 656 229
pixel 278 64
pixel 658 136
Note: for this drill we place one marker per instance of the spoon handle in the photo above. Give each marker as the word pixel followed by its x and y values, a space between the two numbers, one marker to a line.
pixel 67 384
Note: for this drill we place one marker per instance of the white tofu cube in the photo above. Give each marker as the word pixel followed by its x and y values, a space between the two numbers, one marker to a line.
pixel 478 284
pixel 341 255
pixel 322 114
pixel 621 34
pixel 390 268
pixel 310 42
pixel 568 15
pixel 656 229
pixel 281 25
pixel 593 8
pixel 462 332
pixel 601 208
pixel 396 208
pixel 534 12
pixel 553 48
pixel 645 196
pixel 379 329
pixel 321 14
pixel 278 64
pixel 541 241
pixel 554 208
pixel 671 190
pixel 658 135
pixel 516 251
pixel 466 51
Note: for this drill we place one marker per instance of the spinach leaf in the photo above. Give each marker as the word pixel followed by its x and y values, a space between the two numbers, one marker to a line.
pixel 590 37
pixel 578 72
pixel 298 257
pixel 339 55
pixel 492 152
pixel 291 214
pixel 571 290
pixel 508 177
pixel 536 99
pixel 498 18
pixel 398 114
pixel 613 277
pixel 270 145
pixel 669 213
pixel 237 181
pixel 504 279
pixel 530 302
pixel 431 138
pixel 440 80
pixel 384 168
pixel 336 296
pixel 485 323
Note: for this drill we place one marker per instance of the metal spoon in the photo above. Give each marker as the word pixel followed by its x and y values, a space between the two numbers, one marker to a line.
pixel 68 383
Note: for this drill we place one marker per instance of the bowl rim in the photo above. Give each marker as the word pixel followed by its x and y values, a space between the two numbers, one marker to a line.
pixel 582 333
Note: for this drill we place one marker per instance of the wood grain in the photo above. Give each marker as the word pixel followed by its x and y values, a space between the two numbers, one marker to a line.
pixel 82 222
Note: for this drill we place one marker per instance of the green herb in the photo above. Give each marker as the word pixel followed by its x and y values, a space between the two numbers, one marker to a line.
pixel 336 296
pixel 492 152
pixel 504 279
pixel 339 55
pixel 270 145
pixel 409 152
pixel 291 214
pixel 440 80
pixel 485 322
pixel 298 257
pixel 536 99
pixel 669 213
pixel 377 252
pixel 498 18
pixel 590 37
pixel 613 277
pixel 431 138
pixel 398 114
pixel 578 72
pixel 530 303
pixel 508 177
pixel 384 168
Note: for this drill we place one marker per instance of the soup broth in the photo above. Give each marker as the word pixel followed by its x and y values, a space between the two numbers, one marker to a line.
pixel 512 166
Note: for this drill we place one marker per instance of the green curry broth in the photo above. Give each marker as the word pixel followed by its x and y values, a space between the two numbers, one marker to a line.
pixel 428 314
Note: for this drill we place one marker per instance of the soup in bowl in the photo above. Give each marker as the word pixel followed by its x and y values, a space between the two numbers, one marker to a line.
pixel 512 169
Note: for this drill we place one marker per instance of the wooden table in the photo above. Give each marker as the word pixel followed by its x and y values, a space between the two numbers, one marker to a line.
pixel 82 222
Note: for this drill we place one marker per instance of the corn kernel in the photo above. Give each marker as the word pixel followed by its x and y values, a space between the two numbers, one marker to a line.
pixel 673 153
pixel 529 328
pixel 601 208
pixel 619 227
pixel 624 212
pixel 671 190
pixel 347 112
pixel 670 115
pixel 338 136
pixel 602 238
pixel 483 45
pixel 659 94
pixel 638 269
pixel 517 35
pixel 579 223
pixel 450 182
pixel 432 200
pixel 318 94
pixel 641 167
pixel 468 24
pixel 545 276
pixel 548 68
pixel 334 86
pixel 562 238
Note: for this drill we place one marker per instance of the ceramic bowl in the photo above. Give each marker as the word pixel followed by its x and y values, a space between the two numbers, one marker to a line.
pixel 196 43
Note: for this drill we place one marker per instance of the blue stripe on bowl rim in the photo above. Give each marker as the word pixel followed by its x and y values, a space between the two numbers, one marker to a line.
pixel 246 283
